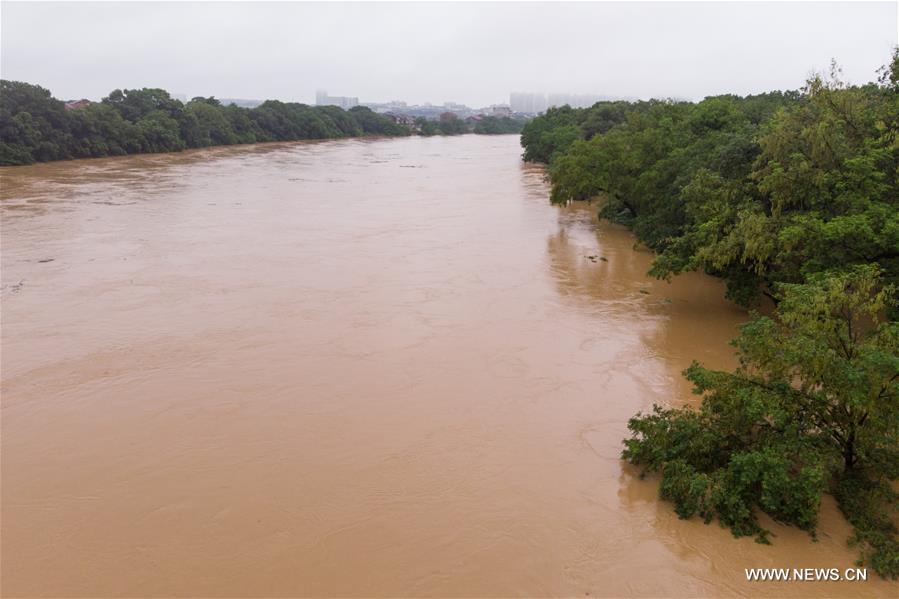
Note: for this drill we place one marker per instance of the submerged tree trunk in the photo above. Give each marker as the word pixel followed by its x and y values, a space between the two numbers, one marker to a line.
pixel 849 453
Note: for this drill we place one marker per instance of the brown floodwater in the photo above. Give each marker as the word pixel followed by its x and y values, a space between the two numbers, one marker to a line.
pixel 351 368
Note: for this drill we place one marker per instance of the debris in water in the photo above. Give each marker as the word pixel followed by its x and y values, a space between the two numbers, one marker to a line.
pixel 14 288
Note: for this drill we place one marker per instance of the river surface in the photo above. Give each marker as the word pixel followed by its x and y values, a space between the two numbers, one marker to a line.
pixel 350 368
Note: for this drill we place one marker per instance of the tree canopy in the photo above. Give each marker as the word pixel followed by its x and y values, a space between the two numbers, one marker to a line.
pixel 790 195
pixel 498 125
pixel 35 127
pixel 812 408
pixel 758 190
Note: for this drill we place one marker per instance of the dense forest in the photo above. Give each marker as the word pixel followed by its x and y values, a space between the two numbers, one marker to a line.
pixel 35 127
pixel 793 196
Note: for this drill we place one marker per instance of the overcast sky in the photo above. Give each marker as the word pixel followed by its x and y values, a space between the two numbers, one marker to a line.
pixel 474 53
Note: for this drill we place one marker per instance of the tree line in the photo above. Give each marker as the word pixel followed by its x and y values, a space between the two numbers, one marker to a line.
pixel 789 195
pixel 35 127
pixel 450 124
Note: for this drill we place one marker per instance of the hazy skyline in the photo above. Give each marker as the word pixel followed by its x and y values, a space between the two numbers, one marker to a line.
pixel 472 53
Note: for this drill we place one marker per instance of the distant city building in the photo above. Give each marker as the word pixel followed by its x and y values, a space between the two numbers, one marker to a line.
pixel 76 104
pixel 573 100
pixel 401 119
pixel 501 110
pixel 535 103
pixel 346 102
pixel 527 103
pixel 427 110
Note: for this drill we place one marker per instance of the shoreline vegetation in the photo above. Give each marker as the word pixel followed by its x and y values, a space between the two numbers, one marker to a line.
pixel 35 127
pixel 789 195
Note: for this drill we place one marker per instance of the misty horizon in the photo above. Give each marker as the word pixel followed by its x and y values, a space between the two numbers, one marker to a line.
pixel 474 54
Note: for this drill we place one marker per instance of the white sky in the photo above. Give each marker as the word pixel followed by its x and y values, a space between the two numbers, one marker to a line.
pixel 474 53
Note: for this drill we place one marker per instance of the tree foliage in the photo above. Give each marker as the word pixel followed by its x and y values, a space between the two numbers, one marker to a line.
pixel 813 408
pixel 791 195
pixel 760 190
pixel 497 125
pixel 447 124
pixel 36 127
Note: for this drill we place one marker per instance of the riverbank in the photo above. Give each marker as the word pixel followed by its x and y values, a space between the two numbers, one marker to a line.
pixel 191 154
pixel 768 193
pixel 40 128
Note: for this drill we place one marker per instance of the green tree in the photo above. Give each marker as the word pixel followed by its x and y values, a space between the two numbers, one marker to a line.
pixel 426 127
pixel 135 104
pixel 761 190
pixel 242 124
pixel 204 123
pixel 343 121
pixel 158 132
pixel 822 192
pixel 373 123
pixel 550 135
pixel 99 130
pixel 450 124
pixel 492 125
pixel 812 408
pixel 33 124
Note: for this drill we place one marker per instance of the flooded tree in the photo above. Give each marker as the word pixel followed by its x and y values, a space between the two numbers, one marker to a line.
pixel 813 408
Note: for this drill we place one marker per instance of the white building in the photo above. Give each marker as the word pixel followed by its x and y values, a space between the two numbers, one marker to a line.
pixel 528 103
pixel 531 103
pixel 346 102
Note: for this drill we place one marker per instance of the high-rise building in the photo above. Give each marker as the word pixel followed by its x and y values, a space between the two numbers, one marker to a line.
pixel 531 103
pixel 559 100
pixel 346 102
pixel 573 100
pixel 528 103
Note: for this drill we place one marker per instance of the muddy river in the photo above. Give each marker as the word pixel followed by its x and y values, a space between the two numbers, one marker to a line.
pixel 351 368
